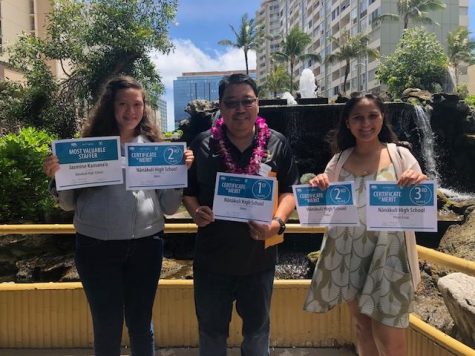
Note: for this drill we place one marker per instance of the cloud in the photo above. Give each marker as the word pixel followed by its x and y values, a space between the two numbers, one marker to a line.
pixel 188 58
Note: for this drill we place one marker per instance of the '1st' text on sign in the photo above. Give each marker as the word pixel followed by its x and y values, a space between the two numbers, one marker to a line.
pixel 240 197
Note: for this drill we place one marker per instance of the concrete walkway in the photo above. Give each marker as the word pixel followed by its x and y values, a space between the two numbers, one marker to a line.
pixel 179 352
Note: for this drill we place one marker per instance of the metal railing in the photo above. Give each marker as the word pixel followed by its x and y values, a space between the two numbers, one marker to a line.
pixel 439 258
pixel 425 253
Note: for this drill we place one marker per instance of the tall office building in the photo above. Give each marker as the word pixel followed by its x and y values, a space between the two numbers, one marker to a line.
pixel 162 115
pixel 198 85
pixel 17 17
pixel 323 19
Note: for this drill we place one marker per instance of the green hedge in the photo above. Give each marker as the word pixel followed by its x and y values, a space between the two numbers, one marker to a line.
pixel 23 185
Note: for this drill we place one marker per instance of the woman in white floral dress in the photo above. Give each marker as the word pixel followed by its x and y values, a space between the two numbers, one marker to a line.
pixel 375 272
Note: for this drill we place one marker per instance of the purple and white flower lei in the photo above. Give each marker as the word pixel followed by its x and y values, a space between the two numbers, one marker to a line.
pixel 259 152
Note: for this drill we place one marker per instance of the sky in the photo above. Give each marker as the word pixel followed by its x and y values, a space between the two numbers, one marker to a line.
pixel 199 25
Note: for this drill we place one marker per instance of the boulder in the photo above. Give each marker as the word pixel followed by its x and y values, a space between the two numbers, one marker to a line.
pixel 429 304
pixel 176 269
pixel 201 107
pixel 459 240
pixel 201 117
pixel 422 96
pixel 458 291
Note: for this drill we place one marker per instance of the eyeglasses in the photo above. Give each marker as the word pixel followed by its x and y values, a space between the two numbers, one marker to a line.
pixel 234 104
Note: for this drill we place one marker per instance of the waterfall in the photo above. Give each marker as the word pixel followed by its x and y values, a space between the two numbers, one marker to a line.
pixel 427 142
pixel 450 81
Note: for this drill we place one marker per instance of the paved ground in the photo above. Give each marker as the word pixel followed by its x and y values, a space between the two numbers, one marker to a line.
pixel 179 352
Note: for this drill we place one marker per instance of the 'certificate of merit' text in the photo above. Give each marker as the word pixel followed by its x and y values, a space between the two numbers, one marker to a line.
pixel 240 197
pixel 394 208
pixel 333 206
pixel 88 162
pixel 155 166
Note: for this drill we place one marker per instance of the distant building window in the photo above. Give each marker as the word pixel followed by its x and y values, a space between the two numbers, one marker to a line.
pixel 364 23
pixel 354 16
pixel 374 16
pixel 32 23
pixel 345 4
pixel 363 8
pixel 371 75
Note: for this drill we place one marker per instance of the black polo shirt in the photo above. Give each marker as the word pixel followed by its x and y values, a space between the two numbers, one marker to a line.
pixel 226 246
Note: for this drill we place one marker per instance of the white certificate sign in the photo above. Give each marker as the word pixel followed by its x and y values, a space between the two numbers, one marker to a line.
pixel 394 208
pixel 241 197
pixel 88 162
pixel 155 166
pixel 333 206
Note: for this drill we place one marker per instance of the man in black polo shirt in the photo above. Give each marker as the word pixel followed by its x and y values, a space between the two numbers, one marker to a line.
pixel 235 261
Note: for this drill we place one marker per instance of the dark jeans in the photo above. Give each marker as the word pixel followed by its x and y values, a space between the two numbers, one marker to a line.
pixel 120 278
pixel 214 297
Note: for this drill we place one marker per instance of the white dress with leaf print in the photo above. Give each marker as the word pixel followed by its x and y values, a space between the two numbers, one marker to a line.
pixel 368 266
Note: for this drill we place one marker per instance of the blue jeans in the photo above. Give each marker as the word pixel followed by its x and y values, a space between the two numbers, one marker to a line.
pixel 214 297
pixel 120 279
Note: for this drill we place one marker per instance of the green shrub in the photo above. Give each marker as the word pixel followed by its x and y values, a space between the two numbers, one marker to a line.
pixel 461 90
pixel 23 185
pixel 470 100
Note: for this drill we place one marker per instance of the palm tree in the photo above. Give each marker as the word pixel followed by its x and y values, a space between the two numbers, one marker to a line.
pixel 293 47
pixel 277 81
pixel 350 47
pixel 245 38
pixel 460 49
pixel 414 10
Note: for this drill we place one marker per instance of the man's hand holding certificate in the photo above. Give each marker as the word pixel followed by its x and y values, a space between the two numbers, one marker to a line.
pixel 330 207
pixel 394 208
pixel 88 162
pixel 240 197
pixel 155 166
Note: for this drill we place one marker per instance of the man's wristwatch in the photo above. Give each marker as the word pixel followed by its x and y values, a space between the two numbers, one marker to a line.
pixel 281 224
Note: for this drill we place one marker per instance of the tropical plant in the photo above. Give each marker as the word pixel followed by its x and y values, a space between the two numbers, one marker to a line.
pixel 350 47
pixel 277 81
pixel 470 100
pixel 11 94
pixel 293 47
pixel 460 49
pixel 92 40
pixel 245 38
pixel 461 90
pixel 418 62
pixel 415 11
pixel 23 185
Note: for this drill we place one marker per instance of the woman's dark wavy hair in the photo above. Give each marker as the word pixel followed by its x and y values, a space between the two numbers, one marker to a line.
pixel 342 138
pixel 101 121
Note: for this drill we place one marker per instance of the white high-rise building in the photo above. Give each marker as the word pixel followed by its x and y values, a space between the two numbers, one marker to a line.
pixel 18 17
pixel 323 19
pixel 268 20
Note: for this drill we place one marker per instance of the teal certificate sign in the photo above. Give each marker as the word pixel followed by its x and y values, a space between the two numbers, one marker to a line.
pixel 394 208
pixel 155 166
pixel 88 162
pixel 330 207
